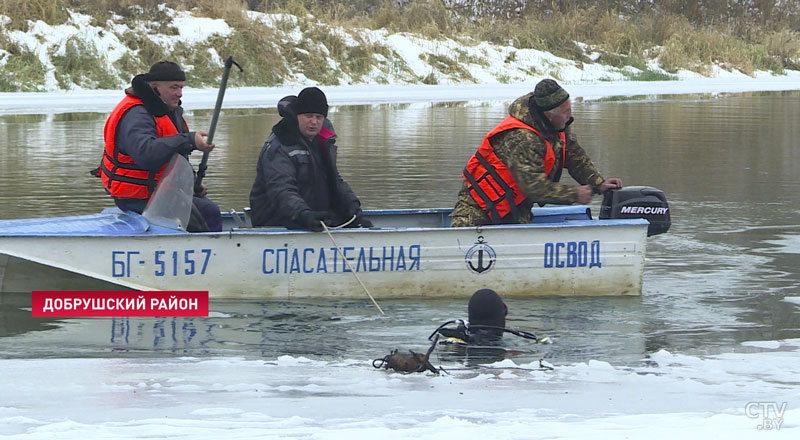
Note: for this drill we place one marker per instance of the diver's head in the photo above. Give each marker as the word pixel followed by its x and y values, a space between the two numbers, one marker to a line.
pixel 487 308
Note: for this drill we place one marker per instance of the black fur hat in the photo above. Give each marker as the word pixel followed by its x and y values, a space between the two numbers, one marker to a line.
pixel 165 71
pixel 311 100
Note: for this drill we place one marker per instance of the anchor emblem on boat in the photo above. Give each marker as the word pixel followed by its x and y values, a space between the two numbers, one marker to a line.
pixel 483 253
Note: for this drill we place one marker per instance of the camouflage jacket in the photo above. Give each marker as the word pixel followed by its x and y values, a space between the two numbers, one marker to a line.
pixel 523 153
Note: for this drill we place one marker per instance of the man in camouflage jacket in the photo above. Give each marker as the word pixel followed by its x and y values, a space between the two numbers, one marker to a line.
pixel 548 110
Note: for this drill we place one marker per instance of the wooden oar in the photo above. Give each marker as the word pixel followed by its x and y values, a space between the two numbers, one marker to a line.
pixel 347 262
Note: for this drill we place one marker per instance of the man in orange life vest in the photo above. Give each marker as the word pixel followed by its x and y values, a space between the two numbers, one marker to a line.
pixel 142 134
pixel 520 162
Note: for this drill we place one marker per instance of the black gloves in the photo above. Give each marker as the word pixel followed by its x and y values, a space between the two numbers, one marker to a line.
pixel 309 219
pixel 362 222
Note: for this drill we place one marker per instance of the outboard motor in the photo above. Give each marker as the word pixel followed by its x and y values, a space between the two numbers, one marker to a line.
pixel 638 202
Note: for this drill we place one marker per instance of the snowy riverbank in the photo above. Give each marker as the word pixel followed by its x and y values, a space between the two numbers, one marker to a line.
pixel 267 97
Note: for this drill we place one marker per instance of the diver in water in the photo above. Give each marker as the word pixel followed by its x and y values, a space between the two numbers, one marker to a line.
pixel 479 339
pixel 486 319
pixel 475 341
pixel 485 324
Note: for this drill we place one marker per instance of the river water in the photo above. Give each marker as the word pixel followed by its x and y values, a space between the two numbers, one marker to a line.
pixel 728 164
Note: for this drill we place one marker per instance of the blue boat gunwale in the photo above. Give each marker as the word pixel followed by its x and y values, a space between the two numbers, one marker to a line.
pixel 554 225
pixel 114 223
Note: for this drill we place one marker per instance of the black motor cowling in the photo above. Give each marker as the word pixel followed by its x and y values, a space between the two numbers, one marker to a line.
pixel 638 202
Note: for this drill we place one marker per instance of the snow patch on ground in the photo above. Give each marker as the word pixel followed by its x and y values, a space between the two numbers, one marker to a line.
pixel 414 59
pixel 267 97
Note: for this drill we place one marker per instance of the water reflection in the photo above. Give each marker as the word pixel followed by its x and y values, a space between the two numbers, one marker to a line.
pixel 78 117
pixel 15 316
pixel 352 330
pixel 617 330
pixel 23 119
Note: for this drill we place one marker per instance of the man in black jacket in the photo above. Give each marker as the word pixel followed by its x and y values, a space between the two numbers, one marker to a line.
pixel 297 183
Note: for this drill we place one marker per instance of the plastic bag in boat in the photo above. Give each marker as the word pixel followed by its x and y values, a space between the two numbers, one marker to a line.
pixel 170 206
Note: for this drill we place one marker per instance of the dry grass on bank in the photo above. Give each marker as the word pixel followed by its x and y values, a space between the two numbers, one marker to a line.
pixel 624 32
pixel 20 11
pixel 683 38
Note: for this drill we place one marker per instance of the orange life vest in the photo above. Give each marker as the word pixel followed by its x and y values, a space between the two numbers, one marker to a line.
pixel 122 177
pixel 489 180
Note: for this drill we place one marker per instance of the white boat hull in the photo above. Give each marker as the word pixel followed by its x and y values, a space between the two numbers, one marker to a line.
pixel 583 257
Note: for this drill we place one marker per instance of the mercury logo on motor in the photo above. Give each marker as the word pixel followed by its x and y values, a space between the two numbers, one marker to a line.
pixel 652 210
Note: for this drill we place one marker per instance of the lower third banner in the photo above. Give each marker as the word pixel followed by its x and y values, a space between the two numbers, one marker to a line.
pixel 115 303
